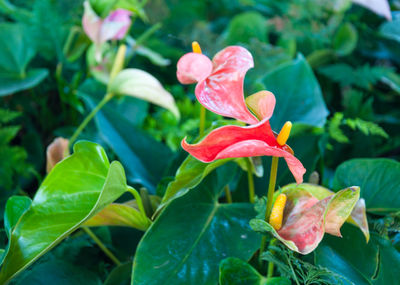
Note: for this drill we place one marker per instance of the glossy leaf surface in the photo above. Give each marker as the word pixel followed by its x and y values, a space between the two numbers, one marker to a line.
pixel 299 101
pixel 377 262
pixel 16 52
pixel 191 172
pixel 378 180
pixel 192 235
pixel 75 189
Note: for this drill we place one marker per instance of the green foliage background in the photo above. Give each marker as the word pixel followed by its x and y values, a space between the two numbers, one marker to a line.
pixel 335 70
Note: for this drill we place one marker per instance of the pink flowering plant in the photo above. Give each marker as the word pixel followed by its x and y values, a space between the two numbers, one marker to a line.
pixel 267 155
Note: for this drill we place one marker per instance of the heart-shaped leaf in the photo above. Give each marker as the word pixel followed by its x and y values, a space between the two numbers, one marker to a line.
pixel 377 262
pixel 298 94
pixel 16 51
pixel 76 189
pixel 143 85
pixel 379 180
pixel 193 234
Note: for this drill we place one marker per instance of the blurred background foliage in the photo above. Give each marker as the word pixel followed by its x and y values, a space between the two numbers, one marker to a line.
pixel 333 66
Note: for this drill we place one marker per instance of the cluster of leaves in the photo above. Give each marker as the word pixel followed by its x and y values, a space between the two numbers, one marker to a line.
pixel 334 69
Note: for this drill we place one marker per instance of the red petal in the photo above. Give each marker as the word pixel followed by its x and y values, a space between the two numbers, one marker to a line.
pixel 193 67
pixel 235 141
pixel 222 91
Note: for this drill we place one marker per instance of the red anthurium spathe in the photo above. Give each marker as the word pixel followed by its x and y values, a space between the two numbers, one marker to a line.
pixel 220 81
pixel 249 141
pixel 306 218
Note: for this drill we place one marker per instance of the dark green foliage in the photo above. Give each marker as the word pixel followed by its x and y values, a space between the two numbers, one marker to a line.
pixel 334 69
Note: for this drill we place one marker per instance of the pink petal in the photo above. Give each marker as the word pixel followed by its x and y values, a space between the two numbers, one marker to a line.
pixel 380 7
pixel 235 141
pixel 115 25
pixel 305 228
pixel 262 104
pixel 193 67
pixel 91 23
pixel 222 91
pixel 306 218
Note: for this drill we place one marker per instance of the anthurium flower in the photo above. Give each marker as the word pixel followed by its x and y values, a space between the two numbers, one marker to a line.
pixel 114 26
pixel 56 151
pixel 249 141
pixel 358 216
pixel 220 81
pixel 306 218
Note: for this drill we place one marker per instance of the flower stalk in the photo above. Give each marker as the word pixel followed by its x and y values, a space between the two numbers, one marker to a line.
pixel 116 68
pixel 102 246
pixel 250 180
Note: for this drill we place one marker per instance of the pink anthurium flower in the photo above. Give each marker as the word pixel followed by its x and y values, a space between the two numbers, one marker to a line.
pixel 306 218
pixel 114 26
pixel 358 216
pixel 220 81
pixel 249 141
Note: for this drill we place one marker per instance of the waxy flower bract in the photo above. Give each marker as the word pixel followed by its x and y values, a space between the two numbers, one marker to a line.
pixel 220 89
pixel 113 27
pixel 220 81
pixel 307 216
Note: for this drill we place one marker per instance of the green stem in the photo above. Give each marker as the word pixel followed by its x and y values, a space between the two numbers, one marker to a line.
pixel 250 180
pixel 270 197
pixel 102 246
pixel 202 120
pixel 138 199
pixel 228 194
pixel 271 187
pixel 270 271
pixel 89 118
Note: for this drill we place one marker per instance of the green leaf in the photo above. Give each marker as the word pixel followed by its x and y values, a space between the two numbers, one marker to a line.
pixel 16 51
pixel 16 206
pixel 345 39
pixel 10 83
pixel 234 271
pixel 140 84
pixel 298 94
pixel 144 159
pixel 378 180
pixel 245 27
pixel 60 273
pixel 191 172
pixel 377 262
pixel 391 29
pixel 119 215
pixel 193 234
pixel 120 275
pixel 75 190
